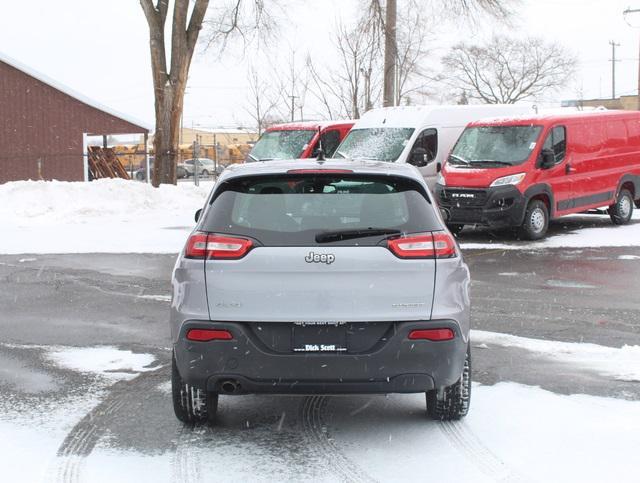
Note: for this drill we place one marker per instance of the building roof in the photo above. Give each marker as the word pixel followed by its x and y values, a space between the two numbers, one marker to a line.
pixel 71 92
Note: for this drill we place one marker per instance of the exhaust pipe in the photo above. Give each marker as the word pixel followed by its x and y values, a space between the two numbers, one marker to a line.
pixel 230 386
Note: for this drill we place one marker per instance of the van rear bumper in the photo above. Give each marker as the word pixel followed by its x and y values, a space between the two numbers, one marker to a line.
pixel 396 365
pixel 497 207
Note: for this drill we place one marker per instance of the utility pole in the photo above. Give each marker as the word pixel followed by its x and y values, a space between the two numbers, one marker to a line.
pixel 390 54
pixel 624 14
pixel 293 106
pixel 613 68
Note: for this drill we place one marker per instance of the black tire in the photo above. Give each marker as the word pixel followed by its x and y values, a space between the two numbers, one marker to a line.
pixel 536 221
pixel 622 210
pixel 191 404
pixel 139 176
pixel 455 229
pixel 453 401
pixel 204 173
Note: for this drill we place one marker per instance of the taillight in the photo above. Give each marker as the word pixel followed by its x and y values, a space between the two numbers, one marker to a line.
pixel 431 245
pixel 203 245
pixel 444 245
pixel 431 334
pixel 206 335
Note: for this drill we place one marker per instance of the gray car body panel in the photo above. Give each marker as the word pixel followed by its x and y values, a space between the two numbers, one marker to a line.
pixel 363 284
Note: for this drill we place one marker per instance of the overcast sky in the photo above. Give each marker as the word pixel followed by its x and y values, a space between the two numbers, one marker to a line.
pixel 101 49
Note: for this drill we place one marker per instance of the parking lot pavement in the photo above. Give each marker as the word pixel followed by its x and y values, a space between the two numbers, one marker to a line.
pixel 53 306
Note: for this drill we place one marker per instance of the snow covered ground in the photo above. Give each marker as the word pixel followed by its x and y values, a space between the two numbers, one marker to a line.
pixel 512 433
pixel 117 216
pixel 105 216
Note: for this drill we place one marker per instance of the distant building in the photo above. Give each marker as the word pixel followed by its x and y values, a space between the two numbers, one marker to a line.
pixel 218 136
pixel 44 126
pixel 625 103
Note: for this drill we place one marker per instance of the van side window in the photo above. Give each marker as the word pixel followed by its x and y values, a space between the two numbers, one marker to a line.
pixel 428 139
pixel 330 142
pixel 557 141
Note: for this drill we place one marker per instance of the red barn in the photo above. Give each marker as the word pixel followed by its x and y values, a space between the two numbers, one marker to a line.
pixel 43 126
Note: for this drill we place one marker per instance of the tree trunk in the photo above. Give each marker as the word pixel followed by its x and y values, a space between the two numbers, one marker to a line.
pixel 390 54
pixel 167 136
pixel 169 85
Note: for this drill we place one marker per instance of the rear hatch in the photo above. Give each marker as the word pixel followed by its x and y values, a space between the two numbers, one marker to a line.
pixel 313 248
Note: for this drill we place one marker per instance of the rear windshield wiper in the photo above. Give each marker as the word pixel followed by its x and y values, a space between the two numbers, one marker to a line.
pixel 490 161
pixel 339 235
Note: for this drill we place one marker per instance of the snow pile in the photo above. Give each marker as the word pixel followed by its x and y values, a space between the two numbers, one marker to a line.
pixel 607 235
pixel 620 363
pixel 53 202
pixel 106 216
pixel 109 362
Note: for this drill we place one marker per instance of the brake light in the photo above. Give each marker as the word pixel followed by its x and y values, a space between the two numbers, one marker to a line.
pixel 203 245
pixel 432 334
pixel 319 171
pixel 432 245
pixel 444 245
pixel 206 335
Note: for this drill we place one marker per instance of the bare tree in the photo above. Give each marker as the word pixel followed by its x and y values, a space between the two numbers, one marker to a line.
pixel 385 13
pixel 243 17
pixel 505 71
pixel 348 86
pixel 292 80
pixel 262 101
pixel 169 82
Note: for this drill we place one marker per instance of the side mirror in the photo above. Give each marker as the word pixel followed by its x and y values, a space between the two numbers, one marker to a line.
pixel 547 158
pixel 419 157
pixel 197 215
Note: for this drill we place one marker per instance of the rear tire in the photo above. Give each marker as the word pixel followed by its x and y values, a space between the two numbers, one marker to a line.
pixel 455 229
pixel 453 402
pixel 204 173
pixel 622 210
pixel 191 404
pixel 536 221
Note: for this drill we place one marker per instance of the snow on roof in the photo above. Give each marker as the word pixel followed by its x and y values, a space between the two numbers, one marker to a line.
pixel 70 92
pixel 309 124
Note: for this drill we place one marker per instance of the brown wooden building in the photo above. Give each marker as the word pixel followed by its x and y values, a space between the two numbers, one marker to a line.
pixel 44 126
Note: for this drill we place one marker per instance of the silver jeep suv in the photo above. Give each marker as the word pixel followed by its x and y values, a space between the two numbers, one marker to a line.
pixel 320 277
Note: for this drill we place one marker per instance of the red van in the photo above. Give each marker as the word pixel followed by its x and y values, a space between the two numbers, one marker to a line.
pixel 299 140
pixel 523 172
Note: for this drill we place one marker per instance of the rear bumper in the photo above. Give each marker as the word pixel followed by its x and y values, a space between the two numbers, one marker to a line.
pixel 397 365
pixel 503 206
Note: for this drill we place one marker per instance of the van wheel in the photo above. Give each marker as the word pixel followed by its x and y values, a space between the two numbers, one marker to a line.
pixel 191 404
pixel 455 229
pixel 536 221
pixel 453 401
pixel 621 211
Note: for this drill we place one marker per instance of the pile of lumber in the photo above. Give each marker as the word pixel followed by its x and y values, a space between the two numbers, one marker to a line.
pixel 103 163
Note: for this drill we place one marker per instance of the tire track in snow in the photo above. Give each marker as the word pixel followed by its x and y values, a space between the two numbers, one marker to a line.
pixel 465 441
pixel 315 431
pixel 185 464
pixel 85 435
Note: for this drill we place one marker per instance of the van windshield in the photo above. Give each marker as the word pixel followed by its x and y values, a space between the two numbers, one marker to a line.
pixel 283 144
pixel 494 146
pixel 378 144
pixel 295 210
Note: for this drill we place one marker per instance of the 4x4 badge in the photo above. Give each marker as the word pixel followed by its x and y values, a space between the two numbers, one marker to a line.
pixel 327 258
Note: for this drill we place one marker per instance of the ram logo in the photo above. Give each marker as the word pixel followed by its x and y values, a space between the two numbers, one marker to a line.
pixel 463 195
pixel 327 258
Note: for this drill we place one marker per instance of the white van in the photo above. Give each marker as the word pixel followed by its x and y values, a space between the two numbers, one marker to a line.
pixel 419 135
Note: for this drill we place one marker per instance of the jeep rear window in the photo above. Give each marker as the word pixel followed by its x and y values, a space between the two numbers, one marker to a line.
pixel 290 210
